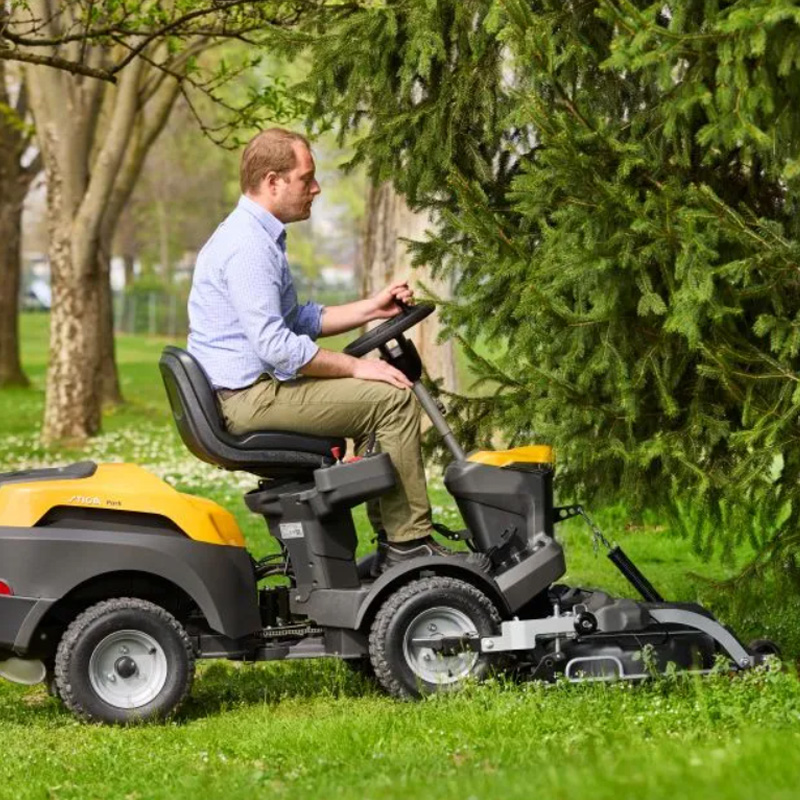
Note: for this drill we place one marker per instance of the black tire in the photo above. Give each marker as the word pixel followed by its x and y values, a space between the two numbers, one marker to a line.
pixel 397 622
pixel 162 676
pixel 764 647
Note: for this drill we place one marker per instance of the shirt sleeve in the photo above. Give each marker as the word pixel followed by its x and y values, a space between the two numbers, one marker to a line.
pixel 309 320
pixel 253 280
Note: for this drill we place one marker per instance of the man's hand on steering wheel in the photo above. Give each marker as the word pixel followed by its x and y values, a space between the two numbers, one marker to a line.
pixel 385 302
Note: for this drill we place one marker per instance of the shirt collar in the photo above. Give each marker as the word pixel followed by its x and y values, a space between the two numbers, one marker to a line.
pixel 271 224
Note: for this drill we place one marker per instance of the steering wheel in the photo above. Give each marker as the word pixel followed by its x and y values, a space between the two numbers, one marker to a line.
pixel 391 329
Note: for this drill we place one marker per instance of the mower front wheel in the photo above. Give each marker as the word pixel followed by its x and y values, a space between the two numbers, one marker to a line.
pixel 402 641
pixel 764 647
pixel 124 660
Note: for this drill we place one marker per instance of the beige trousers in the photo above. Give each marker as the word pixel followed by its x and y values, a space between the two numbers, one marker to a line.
pixel 351 408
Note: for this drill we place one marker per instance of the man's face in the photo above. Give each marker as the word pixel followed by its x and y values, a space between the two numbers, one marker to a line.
pixel 294 192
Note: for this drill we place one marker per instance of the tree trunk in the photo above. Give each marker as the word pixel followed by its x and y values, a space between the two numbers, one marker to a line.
pixel 93 138
pixel 11 373
pixel 110 390
pixel 72 407
pixel 14 182
pixel 81 165
pixel 386 258
pixel 163 242
pixel 143 136
pixel 130 263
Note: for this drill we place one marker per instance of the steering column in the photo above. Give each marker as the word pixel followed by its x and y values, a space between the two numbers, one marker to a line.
pixel 402 354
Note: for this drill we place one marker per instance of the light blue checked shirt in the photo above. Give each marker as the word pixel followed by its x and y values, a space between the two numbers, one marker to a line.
pixel 244 319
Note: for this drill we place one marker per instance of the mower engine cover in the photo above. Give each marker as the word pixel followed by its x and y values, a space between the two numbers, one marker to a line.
pixel 39 497
pixel 62 529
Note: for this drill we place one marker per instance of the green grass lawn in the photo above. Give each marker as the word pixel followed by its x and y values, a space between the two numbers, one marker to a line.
pixel 314 729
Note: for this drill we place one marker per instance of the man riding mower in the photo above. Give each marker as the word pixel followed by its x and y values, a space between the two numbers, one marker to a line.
pixel 112 583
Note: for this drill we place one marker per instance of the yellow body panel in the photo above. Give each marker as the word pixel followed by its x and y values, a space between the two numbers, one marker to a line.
pixel 120 487
pixel 530 454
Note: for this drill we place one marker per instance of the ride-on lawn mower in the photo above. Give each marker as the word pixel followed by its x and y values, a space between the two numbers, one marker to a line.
pixel 112 583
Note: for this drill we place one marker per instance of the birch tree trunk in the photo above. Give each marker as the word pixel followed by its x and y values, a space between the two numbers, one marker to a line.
pixel 386 258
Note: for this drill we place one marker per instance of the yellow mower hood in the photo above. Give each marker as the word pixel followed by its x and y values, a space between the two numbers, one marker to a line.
pixel 119 487
pixel 530 454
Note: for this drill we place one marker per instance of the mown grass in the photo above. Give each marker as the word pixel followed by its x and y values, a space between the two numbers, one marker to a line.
pixel 314 729
pixel 303 730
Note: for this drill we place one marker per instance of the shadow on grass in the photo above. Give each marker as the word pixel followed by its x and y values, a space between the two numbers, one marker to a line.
pixel 221 686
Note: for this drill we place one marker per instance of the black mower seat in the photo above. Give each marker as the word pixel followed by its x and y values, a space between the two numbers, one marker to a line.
pixel 268 454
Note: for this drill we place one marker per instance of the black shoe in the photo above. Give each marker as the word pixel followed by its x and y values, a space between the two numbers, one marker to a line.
pixel 390 554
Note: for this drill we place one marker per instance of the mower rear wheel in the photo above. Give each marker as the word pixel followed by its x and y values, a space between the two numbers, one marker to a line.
pixel 124 660
pixel 405 664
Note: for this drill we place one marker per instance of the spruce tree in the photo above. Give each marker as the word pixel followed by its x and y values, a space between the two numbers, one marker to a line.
pixel 616 189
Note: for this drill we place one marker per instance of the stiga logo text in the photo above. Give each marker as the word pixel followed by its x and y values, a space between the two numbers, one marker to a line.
pixel 85 500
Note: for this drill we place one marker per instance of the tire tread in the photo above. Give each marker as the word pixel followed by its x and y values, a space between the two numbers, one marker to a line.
pixel 78 627
pixel 377 636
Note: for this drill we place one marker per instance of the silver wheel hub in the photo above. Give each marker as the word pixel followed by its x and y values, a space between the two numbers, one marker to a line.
pixel 428 664
pixel 128 669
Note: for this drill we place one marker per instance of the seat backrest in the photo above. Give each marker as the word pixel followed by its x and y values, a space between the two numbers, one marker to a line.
pixel 196 413
pixel 194 406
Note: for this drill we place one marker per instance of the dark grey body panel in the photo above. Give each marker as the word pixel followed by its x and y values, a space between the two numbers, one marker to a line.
pixel 532 575
pixel 28 628
pixel 13 613
pixel 505 509
pixel 335 607
pixel 349 607
pixel 313 522
pixel 45 564
pixel 439 565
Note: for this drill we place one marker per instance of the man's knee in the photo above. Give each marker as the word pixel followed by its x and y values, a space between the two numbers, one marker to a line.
pixel 401 403
pixel 389 406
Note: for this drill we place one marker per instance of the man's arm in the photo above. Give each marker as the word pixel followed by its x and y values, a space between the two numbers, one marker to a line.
pixel 328 364
pixel 252 276
pixel 254 292
pixel 338 319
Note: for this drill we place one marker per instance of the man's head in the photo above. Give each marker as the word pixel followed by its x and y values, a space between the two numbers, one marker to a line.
pixel 277 171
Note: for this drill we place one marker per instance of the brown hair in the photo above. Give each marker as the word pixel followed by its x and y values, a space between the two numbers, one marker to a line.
pixel 271 150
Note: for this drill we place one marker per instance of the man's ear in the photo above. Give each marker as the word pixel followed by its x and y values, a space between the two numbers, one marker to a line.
pixel 270 182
